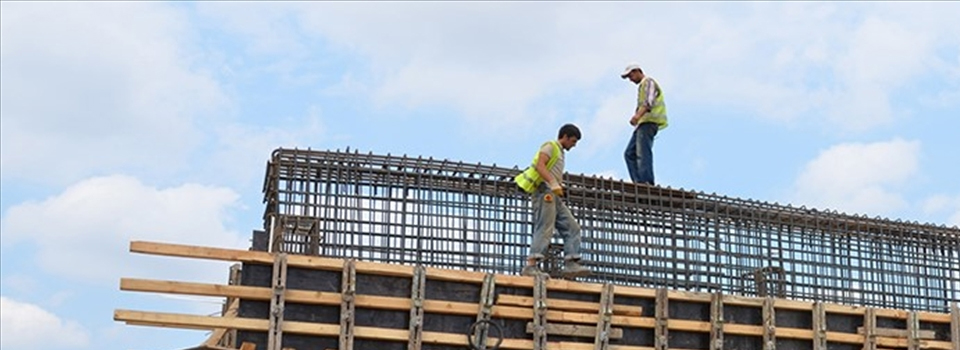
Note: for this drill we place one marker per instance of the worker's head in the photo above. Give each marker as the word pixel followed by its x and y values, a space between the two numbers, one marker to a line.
pixel 633 72
pixel 568 136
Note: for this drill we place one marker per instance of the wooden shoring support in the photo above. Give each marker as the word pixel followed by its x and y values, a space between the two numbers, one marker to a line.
pixel 275 333
pixel 602 340
pixel 417 295
pixel 913 331
pixel 955 325
pixel 661 314
pixel 539 313
pixel 716 321
pixel 769 324
pixel 870 329
pixel 819 327
pixel 348 303
pixel 487 298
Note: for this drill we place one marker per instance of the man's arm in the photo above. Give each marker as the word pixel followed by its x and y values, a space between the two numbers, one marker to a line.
pixel 645 105
pixel 636 116
pixel 543 171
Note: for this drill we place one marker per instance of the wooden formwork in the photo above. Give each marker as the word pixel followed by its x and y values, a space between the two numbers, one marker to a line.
pixel 307 302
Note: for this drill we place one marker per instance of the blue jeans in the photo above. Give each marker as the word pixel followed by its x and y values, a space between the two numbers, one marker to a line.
pixel 550 213
pixel 639 153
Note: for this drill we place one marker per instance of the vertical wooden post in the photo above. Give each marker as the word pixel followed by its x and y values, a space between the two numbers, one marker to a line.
pixel 819 327
pixel 662 313
pixel 602 340
pixel 487 295
pixel 870 329
pixel 348 293
pixel 769 325
pixel 417 293
pixel 913 331
pixel 539 313
pixel 275 335
pixel 955 325
pixel 716 321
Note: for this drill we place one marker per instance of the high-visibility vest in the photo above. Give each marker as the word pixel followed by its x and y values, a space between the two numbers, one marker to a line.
pixel 658 111
pixel 529 179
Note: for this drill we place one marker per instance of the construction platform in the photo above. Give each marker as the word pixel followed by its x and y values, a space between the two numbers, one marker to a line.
pixel 284 301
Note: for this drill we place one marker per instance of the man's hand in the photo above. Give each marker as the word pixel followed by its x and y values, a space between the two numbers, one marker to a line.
pixel 556 189
pixel 634 120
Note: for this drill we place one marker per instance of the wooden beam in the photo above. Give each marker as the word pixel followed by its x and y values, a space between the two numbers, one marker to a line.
pixel 955 325
pixel 331 264
pixel 574 330
pixel 332 330
pixel 899 333
pixel 368 301
pixel 568 305
pixel 455 308
pixel 248 346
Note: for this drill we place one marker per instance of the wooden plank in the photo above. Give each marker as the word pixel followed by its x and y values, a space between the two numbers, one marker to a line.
pixel 899 333
pixel 716 321
pixel 540 308
pixel 574 330
pixel 601 339
pixel 417 295
pixel 331 264
pixel 955 325
pixel 870 330
pixel 923 344
pixel 662 315
pixel 275 332
pixel 206 322
pixel 569 305
pixel 913 332
pixel 769 325
pixel 467 309
pixel 332 330
pixel 367 301
pixel 248 346
pixel 348 290
pixel 819 327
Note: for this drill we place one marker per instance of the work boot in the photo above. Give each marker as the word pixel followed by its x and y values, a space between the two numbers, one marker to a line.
pixel 533 271
pixel 572 268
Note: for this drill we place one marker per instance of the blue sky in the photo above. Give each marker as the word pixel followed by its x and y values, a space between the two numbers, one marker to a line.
pixel 154 121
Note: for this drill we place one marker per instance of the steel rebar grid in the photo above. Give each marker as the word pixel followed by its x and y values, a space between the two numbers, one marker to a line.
pixel 470 216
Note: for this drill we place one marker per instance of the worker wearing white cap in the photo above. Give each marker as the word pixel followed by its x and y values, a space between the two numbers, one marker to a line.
pixel 648 118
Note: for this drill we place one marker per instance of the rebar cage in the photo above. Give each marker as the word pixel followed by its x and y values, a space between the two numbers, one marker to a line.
pixel 451 214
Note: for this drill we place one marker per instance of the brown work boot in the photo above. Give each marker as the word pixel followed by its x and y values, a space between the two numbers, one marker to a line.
pixel 572 268
pixel 533 271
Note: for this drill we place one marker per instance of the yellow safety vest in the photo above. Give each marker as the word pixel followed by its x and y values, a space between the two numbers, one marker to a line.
pixel 658 111
pixel 529 179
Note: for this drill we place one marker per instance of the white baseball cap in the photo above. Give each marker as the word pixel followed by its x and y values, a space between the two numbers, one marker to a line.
pixel 630 67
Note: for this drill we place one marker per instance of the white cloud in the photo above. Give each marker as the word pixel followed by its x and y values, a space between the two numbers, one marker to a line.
pixel 943 205
pixel 858 178
pixel 27 326
pixel 94 220
pixel 494 62
pixel 242 150
pixel 91 87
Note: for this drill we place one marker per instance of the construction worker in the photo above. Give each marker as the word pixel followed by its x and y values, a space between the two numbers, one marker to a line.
pixel 543 180
pixel 648 118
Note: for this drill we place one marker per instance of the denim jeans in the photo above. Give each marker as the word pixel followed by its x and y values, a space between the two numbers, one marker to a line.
pixel 550 213
pixel 639 153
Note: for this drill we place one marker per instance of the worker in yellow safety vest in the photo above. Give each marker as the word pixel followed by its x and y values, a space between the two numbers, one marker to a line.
pixel 648 118
pixel 543 180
